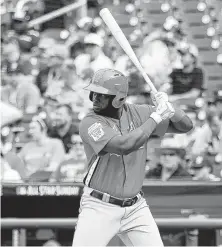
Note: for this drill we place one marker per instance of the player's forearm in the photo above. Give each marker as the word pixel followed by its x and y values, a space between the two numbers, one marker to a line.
pixel 183 126
pixel 180 122
pixel 135 139
pixel 132 141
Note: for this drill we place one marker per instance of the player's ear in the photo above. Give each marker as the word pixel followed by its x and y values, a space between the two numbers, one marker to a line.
pixel 118 102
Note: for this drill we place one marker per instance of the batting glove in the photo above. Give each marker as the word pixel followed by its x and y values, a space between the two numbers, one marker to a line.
pixel 163 111
pixel 158 97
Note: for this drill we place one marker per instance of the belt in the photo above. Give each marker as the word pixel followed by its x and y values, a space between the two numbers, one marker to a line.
pixel 113 200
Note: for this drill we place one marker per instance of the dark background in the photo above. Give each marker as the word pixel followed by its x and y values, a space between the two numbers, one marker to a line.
pixel 166 200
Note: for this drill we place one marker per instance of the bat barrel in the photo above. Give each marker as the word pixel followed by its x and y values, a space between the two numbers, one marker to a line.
pixel 124 43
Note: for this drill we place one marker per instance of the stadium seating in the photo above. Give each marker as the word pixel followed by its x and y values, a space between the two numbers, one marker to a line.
pixel 195 28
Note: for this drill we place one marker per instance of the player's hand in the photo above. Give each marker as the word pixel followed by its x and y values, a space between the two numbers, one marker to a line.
pixel 163 111
pixel 158 97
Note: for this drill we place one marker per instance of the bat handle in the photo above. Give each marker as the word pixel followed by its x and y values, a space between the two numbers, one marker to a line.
pixel 147 79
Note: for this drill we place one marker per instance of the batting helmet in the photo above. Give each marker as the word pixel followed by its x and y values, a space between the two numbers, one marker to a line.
pixel 110 82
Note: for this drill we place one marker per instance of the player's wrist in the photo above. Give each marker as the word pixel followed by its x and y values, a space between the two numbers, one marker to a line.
pixel 156 117
pixel 148 127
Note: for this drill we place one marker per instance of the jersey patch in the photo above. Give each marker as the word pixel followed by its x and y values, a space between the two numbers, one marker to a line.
pixel 96 131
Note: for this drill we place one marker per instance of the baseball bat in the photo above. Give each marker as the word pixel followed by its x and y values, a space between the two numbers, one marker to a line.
pixel 56 13
pixel 123 42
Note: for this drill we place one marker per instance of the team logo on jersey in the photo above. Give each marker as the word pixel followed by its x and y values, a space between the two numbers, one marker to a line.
pixel 96 131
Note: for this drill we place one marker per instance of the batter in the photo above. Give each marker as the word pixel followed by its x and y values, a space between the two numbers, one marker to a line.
pixel 115 136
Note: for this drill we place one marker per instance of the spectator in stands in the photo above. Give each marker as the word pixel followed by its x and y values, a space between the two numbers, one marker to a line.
pixel 202 169
pixel 42 153
pixel 10 56
pixel 155 60
pixel 171 164
pixel 41 51
pixel 21 91
pixel 57 55
pixel 187 82
pixel 58 72
pixel 77 151
pixel 74 168
pixel 69 89
pixel 94 58
pixel 209 137
pixel 63 127
pixel 159 54
pixel 42 80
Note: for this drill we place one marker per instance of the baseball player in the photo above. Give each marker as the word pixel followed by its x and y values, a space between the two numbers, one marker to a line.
pixel 115 136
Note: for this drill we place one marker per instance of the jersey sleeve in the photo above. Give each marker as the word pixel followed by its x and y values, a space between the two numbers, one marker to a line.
pixel 144 112
pixel 96 132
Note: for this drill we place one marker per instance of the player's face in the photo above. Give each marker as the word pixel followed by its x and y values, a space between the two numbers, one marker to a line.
pixel 100 102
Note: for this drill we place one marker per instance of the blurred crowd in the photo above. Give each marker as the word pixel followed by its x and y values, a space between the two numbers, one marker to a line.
pixel 44 73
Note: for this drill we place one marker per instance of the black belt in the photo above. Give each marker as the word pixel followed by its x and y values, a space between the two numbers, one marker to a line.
pixel 113 200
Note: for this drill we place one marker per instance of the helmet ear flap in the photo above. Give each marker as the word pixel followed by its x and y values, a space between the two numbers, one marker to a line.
pixel 91 95
pixel 118 102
